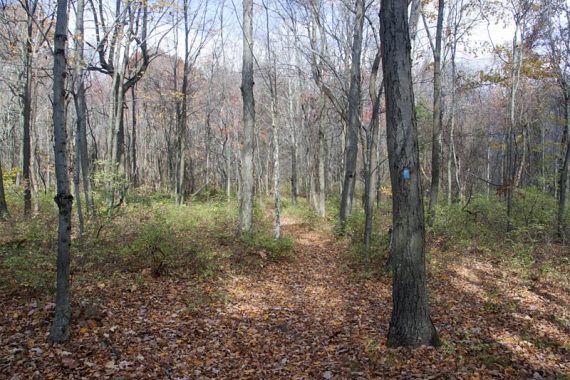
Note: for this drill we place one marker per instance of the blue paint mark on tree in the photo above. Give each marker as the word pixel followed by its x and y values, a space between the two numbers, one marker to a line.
pixel 406 174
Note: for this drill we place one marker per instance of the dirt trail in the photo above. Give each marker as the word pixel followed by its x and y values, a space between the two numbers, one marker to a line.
pixel 304 317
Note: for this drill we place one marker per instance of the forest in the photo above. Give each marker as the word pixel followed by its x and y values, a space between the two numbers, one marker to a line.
pixel 284 189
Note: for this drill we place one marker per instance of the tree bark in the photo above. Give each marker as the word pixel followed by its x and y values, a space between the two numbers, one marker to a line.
pixel 371 137
pixel 564 169
pixel 81 108
pixel 515 80
pixel 353 125
pixel 246 195
pixel 3 206
pixel 437 116
pixel 60 328
pixel 134 126
pixel 30 8
pixel 410 324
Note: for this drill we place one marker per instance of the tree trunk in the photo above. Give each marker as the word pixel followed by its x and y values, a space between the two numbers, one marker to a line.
pixel 134 165
pixel 321 193
pixel 564 168
pixel 77 179
pixel 276 169
pixel 293 126
pixel 410 324
pixel 3 206
pixel 371 137
pixel 515 79
pixel 246 195
pixel 81 108
pixel 437 115
pixel 353 125
pixel 27 108
pixel 60 328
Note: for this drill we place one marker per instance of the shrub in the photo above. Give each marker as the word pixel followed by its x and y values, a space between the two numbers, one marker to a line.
pixel 263 243
pixel 32 270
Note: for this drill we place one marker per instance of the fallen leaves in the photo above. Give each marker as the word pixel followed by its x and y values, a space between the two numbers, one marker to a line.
pixel 306 318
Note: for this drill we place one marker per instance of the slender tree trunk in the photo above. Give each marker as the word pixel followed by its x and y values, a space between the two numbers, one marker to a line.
pixel 515 79
pixel 410 324
pixel 293 126
pixel 84 159
pixel 371 137
pixel 564 169
pixel 246 196
pixel 3 206
pixel 415 10
pixel 134 165
pixel 81 160
pixel 353 125
pixel 437 116
pixel 60 328
pixel 27 108
pixel 321 193
pixel 77 179
pixel 276 170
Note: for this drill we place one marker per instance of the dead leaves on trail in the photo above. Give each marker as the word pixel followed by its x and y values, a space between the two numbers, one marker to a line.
pixel 304 318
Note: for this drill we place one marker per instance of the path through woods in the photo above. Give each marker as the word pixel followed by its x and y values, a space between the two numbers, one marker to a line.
pixel 309 317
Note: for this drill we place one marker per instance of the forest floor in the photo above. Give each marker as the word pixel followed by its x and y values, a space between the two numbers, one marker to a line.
pixel 310 316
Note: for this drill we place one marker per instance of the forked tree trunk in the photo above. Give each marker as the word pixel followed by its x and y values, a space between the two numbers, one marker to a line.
pixel 410 324
pixel 246 194
pixel 60 328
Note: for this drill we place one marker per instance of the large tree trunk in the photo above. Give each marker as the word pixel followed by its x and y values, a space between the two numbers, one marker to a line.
pixel 410 324
pixel 437 116
pixel 246 195
pixel 353 125
pixel 60 328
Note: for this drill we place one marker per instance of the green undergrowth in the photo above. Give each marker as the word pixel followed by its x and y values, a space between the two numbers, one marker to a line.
pixel 368 261
pixel 480 227
pixel 474 227
pixel 147 235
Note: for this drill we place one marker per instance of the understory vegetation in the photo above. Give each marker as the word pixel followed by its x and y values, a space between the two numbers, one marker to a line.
pixel 188 265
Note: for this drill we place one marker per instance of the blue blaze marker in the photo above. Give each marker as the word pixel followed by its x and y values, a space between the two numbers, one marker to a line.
pixel 406 174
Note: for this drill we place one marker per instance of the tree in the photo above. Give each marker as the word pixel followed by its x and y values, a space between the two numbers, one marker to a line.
pixel 113 45
pixel 246 195
pixel 437 113
pixel 271 82
pixel 81 153
pixel 3 206
pixel 410 323
pixel 353 125
pixel 557 38
pixel 60 328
